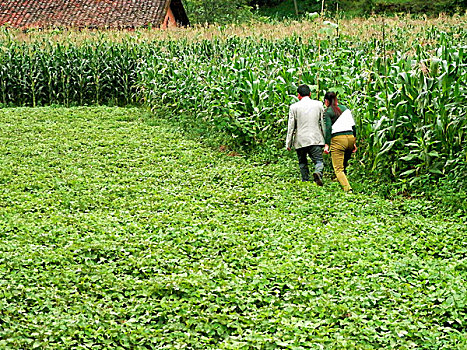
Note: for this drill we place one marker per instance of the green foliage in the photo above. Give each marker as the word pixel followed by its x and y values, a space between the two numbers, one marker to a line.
pixel 412 122
pixel 117 232
pixel 420 114
pixel 45 73
pixel 214 11
pixel 408 98
pixel 419 6
pixel 286 9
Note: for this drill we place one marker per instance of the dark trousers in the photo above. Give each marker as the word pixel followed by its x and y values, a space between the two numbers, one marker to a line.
pixel 316 155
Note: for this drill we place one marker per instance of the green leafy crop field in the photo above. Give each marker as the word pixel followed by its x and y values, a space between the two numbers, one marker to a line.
pixel 118 232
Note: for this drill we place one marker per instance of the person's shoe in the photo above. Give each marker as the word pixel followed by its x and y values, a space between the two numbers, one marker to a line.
pixel 318 179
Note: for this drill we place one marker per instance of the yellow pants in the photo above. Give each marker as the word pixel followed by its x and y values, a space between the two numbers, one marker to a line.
pixel 341 151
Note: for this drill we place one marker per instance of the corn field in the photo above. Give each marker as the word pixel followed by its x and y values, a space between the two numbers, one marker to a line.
pixel 407 94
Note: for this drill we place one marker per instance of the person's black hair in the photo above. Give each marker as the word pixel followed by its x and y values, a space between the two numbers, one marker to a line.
pixel 304 90
pixel 332 98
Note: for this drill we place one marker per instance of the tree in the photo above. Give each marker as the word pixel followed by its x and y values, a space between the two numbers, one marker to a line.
pixel 217 11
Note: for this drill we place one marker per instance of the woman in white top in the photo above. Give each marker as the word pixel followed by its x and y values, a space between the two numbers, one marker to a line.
pixel 340 137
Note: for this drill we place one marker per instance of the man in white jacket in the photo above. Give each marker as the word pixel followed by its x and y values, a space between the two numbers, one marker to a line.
pixel 305 133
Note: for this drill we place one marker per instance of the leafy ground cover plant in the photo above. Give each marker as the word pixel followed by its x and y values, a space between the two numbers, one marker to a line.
pixel 119 232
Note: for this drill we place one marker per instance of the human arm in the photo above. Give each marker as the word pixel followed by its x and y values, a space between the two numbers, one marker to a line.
pixel 354 130
pixel 327 127
pixel 290 130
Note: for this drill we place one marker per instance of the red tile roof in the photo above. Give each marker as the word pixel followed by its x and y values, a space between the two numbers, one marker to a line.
pixel 88 13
